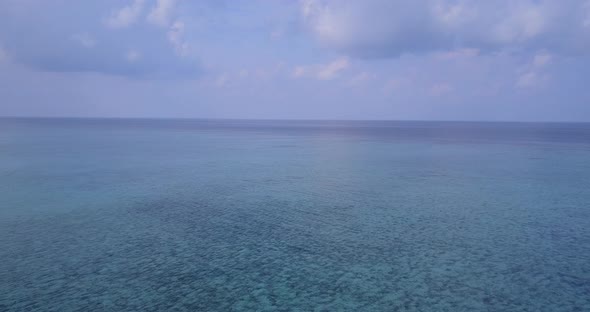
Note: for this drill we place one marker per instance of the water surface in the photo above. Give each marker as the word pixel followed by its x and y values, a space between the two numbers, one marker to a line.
pixel 226 215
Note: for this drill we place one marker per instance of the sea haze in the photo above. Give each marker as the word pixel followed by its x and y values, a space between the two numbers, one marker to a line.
pixel 222 215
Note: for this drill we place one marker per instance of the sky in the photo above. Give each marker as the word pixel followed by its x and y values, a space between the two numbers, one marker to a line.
pixel 498 60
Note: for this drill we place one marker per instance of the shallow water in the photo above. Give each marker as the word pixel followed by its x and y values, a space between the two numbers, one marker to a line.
pixel 201 215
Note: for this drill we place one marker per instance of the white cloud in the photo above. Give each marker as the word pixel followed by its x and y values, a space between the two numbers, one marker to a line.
pixel 176 37
pixel 299 71
pixel 327 71
pixel 389 28
pixel 333 69
pixel 85 40
pixel 161 13
pixel 132 56
pixel 3 55
pixel 361 78
pixel 244 73
pixel 277 34
pixel 523 22
pixel 222 80
pixel 125 16
pixel 267 73
pixel 529 79
pixel 244 76
pixel 586 10
pixel 457 54
pixel 534 73
pixel 541 59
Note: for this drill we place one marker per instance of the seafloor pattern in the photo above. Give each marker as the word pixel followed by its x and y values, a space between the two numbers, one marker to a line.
pixel 160 219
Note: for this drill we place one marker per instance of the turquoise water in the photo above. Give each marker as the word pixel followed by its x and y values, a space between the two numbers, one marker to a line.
pixel 148 215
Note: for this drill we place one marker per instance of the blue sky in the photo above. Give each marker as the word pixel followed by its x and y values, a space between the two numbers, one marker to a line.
pixel 313 59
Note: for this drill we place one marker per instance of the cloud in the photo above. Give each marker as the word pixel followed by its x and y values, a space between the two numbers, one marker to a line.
pixel 161 12
pixel 86 41
pixel 243 76
pixel 133 56
pixel 542 59
pixel 176 37
pixel 3 55
pixel 277 34
pixel 331 70
pixel 125 16
pixel 586 14
pixel 361 78
pixel 162 15
pixel 327 71
pixel 534 73
pixel 457 54
pixel 243 73
pixel 389 28
pixel 222 80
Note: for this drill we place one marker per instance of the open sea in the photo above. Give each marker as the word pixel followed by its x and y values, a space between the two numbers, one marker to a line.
pixel 230 215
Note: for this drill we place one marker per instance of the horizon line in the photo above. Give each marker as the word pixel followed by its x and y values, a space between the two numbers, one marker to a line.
pixel 285 119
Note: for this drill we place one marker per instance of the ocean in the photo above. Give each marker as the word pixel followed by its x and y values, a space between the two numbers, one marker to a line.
pixel 238 215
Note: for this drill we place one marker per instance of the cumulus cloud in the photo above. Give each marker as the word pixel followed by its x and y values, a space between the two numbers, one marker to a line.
pixel 161 12
pixel 586 14
pixel 327 71
pixel 222 80
pixel 3 55
pixel 389 28
pixel 132 56
pixel 457 54
pixel 533 74
pixel 85 40
pixel 361 78
pixel 125 16
pixel 176 37
pixel 162 15
pixel 542 59
pixel 96 37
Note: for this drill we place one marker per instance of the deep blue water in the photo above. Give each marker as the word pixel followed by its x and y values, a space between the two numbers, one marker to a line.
pixel 202 215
